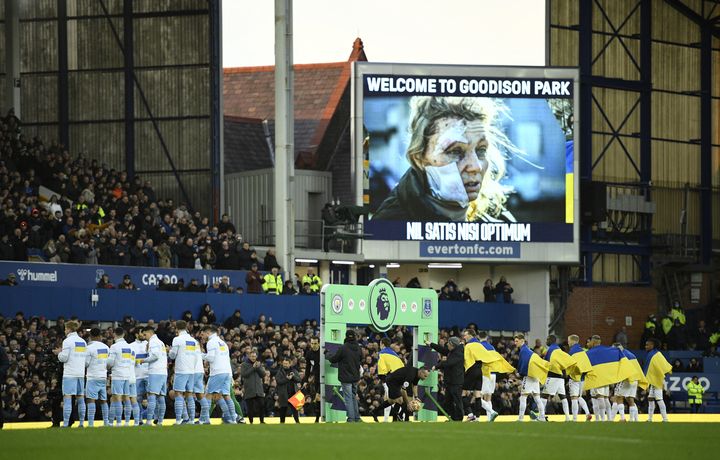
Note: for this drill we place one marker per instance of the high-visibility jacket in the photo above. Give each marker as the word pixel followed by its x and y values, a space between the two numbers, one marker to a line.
pixel 649 325
pixel 273 283
pixel 714 338
pixel 667 324
pixel 695 392
pixel 677 313
pixel 314 281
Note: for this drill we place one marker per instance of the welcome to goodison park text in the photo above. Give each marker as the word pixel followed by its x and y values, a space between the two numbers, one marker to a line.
pixel 462 86
pixel 467 231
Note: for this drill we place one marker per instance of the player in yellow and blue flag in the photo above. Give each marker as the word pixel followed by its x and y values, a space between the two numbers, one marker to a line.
pixel 388 361
pixel 555 385
pixel 534 371
pixel 655 368
pixel 599 379
pixel 494 364
pixel 627 389
pixel 576 374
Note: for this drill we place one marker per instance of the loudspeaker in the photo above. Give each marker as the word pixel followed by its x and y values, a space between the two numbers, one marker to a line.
pixel 593 202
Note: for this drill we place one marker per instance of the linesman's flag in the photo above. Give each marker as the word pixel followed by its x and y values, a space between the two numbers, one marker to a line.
pixel 297 400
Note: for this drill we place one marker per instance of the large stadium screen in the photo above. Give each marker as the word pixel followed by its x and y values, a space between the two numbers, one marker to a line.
pixel 467 162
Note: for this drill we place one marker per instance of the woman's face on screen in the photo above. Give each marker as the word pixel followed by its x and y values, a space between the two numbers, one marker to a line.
pixel 461 142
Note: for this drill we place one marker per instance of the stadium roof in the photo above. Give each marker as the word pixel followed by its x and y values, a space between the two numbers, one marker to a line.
pixel 322 112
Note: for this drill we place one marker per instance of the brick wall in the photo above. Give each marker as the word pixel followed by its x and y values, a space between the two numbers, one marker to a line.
pixel 602 311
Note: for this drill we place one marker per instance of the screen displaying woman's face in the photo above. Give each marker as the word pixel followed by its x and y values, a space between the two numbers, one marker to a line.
pixel 461 142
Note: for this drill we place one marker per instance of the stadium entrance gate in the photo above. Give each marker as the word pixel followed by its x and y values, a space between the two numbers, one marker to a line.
pixel 381 307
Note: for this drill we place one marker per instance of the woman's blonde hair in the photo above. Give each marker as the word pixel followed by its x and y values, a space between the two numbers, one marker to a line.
pixel 425 111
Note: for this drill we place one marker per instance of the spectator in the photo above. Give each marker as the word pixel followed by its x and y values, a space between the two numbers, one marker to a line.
pixel 227 259
pixel 187 253
pixel 252 373
pixel 702 336
pixel 465 295
pixel 621 337
pixel 694 366
pixel 677 366
pixel 194 286
pixel 288 288
pixel 445 293
pixel 488 291
pixel 208 313
pixel 164 255
pixel 7 252
pixel 254 280
pixel 11 280
pixel 233 321
pixel 104 282
pixel 225 225
pixel 224 286
pixel 270 260
pixel 127 284
pixel 313 280
pixel 504 290
pixel 414 283
pixel 245 258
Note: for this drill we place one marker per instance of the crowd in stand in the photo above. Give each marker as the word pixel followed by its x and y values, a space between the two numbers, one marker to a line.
pixel 93 214
pixel 674 332
pixel 32 390
pixel 500 292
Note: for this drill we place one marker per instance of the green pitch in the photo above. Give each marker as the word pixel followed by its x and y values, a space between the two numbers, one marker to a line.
pixel 504 441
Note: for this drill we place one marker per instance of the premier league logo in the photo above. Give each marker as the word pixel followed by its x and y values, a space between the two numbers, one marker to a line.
pixel 383 305
pixel 427 308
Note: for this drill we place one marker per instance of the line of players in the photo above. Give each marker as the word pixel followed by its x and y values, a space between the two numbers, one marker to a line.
pixel 139 371
pixel 400 381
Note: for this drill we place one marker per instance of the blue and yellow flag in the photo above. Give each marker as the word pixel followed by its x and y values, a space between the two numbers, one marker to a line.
pixel 127 353
pixel 655 368
pixel 582 363
pixel 558 359
pixel 190 345
pixel 80 347
pixel 532 365
pixel 139 357
pixel 635 371
pixel 102 353
pixel 389 361
pixel 500 365
pixel 609 366
pixel 475 351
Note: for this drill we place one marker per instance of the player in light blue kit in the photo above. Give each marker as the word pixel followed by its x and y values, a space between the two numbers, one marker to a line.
pixel 122 363
pixel 157 375
pixel 184 352
pixel 198 386
pixel 141 375
pixel 96 386
pixel 220 380
pixel 72 355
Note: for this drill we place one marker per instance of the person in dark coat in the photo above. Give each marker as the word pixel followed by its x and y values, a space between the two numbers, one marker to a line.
pixel 252 373
pixel 452 367
pixel 488 291
pixel 233 321
pixel 186 254
pixel 287 380
pixel 4 366
pixel 503 290
pixel 270 260
pixel 254 280
pixel 348 358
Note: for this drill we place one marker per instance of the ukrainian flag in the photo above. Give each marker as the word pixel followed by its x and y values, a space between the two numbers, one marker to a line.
pixel 500 365
pixel 139 357
pixel 609 366
pixel 558 359
pixel 581 363
pixel 655 368
pixel 532 365
pixel 102 353
pixel 635 371
pixel 475 351
pixel 190 345
pixel 80 347
pixel 127 353
pixel 389 361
